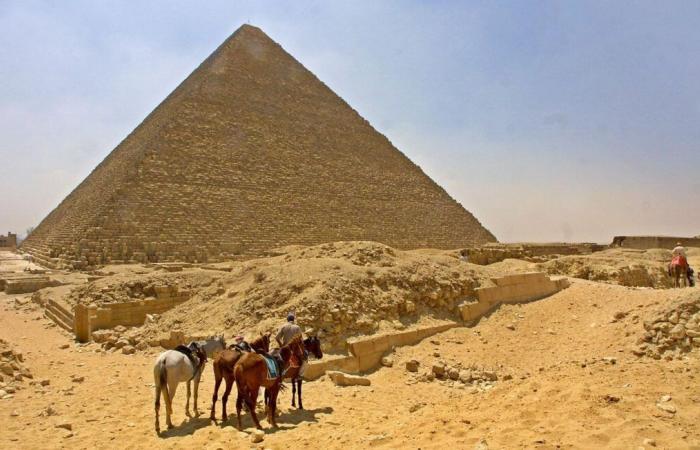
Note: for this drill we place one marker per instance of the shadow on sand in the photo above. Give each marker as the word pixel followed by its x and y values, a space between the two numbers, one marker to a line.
pixel 285 421
pixel 189 426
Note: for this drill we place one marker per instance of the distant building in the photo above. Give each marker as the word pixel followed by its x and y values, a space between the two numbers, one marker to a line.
pixel 8 242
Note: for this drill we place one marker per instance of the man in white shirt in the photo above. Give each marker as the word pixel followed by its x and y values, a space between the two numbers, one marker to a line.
pixel 679 250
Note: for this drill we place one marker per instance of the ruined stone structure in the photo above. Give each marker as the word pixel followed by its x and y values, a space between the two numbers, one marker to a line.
pixel 647 242
pixel 249 153
pixel 8 242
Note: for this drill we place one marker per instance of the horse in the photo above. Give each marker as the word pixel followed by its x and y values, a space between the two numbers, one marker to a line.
pixel 312 345
pixel 679 271
pixel 223 368
pixel 183 364
pixel 213 346
pixel 251 373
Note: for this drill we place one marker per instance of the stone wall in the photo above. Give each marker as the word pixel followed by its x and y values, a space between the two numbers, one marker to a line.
pixel 366 352
pixel 647 242
pixel 91 318
pixel 518 288
pixel 251 152
pixel 495 252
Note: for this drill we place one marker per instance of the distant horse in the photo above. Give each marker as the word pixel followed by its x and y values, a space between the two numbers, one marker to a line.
pixel 213 346
pixel 183 364
pixel 251 373
pixel 679 271
pixel 295 373
pixel 223 368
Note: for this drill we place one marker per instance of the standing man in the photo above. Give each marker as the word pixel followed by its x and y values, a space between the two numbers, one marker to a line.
pixel 288 331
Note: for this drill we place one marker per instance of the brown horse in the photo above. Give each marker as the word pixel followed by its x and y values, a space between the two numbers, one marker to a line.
pixel 679 271
pixel 223 368
pixel 312 345
pixel 251 374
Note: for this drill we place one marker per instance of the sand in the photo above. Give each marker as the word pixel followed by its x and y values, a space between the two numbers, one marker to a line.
pixel 563 394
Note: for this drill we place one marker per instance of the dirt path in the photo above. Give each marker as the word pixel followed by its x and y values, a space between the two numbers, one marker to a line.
pixel 563 394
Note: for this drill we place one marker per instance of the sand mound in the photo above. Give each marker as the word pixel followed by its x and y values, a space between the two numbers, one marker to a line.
pixel 340 289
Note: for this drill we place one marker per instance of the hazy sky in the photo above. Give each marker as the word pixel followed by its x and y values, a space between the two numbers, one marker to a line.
pixel 547 120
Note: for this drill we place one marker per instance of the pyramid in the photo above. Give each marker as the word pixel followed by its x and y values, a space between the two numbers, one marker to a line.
pixel 249 153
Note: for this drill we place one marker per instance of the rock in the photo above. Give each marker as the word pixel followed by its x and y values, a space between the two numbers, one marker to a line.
pixel 511 326
pixel 77 379
pixel 667 407
pixel 65 425
pixel 128 350
pixel 415 407
pixel 481 445
pixel 387 361
pixel 490 375
pixel 45 382
pixel 610 360
pixel 649 442
pixel 143 345
pixel 6 369
pixel 14 414
pixel 677 332
pixel 343 379
pixel 453 373
pixel 121 343
pixel 465 376
pixel 665 398
pixel 3 393
pixel 410 306
pixel 63 346
pixel 257 436
pixel 120 329
pixel 438 370
pixel 619 315
pixel 412 365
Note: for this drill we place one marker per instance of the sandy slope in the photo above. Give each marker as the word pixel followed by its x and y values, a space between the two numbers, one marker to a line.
pixel 553 400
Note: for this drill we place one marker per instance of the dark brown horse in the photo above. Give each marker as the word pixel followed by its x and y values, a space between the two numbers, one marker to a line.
pixel 251 374
pixel 312 345
pixel 223 368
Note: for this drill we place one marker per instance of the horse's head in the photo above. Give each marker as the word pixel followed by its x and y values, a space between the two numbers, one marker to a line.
pixel 261 344
pixel 312 344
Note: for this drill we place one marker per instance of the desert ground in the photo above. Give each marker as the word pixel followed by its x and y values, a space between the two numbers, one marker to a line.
pixel 568 371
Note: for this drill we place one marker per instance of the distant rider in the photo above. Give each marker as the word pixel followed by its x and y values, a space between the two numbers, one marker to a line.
pixel 288 331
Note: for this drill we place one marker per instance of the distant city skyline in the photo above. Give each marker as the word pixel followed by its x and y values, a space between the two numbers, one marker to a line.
pixel 548 121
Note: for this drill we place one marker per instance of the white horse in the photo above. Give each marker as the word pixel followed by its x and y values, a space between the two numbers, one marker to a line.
pixel 172 368
pixel 213 345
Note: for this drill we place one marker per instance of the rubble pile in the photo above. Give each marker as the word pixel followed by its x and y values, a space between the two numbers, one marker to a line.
pixel 12 370
pixel 672 333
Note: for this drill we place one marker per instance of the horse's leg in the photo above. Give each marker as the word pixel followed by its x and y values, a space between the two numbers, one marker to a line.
pixel 196 392
pixel 301 406
pixel 217 383
pixel 187 404
pixel 239 405
pixel 272 408
pixel 157 406
pixel 172 388
pixel 294 391
pixel 250 400
pixel 224 399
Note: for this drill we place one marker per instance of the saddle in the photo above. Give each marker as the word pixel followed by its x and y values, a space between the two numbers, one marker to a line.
pixel 185 350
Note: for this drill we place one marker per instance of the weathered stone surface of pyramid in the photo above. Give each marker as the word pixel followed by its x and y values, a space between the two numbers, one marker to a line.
pixel 249 153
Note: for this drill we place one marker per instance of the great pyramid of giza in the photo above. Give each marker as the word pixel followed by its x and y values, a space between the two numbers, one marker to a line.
pixel 249 153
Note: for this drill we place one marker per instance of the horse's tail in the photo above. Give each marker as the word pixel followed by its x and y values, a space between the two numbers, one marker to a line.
pixel 162 382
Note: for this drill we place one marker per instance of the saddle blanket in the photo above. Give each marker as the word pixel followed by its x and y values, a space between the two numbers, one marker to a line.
pixel 679 261
pixel 271 368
